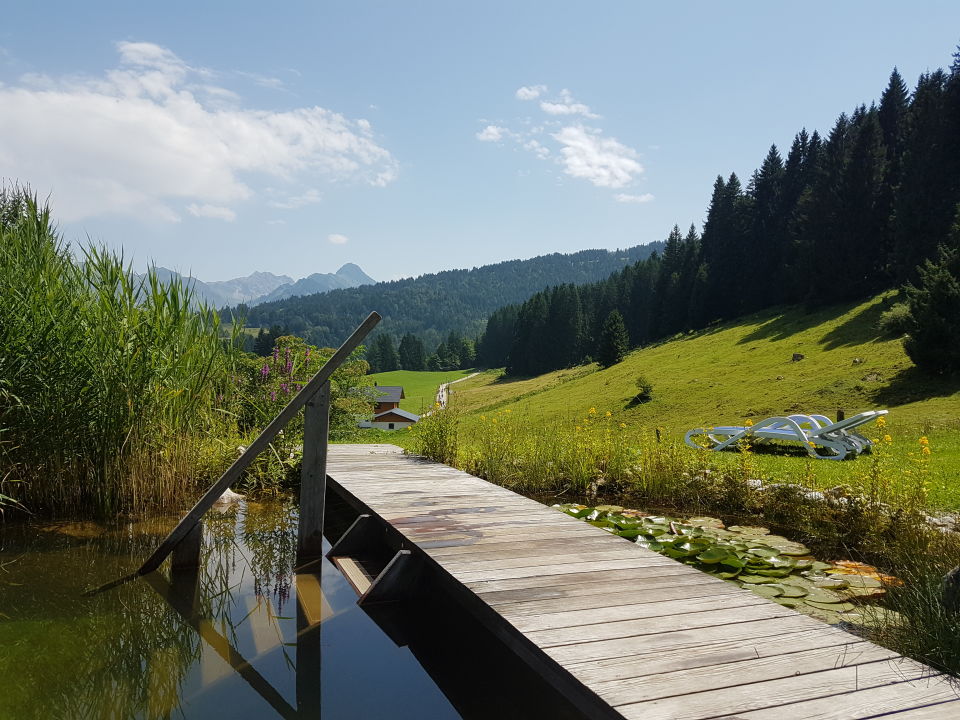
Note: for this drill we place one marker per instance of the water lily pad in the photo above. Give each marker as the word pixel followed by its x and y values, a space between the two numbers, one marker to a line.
pixel 714 555
pixel 830 583
pixel 609 508
pixel 832 607
pixel 823 596
pixel 704 521
pixel 749 530
pixel 790 591
pixel 763 552
pixel 789 602
pixel 795 550
pixel 862 581
pixel 755 579
pixel 767 591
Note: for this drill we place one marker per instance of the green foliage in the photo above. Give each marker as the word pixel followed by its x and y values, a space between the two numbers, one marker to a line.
pixel 111 384
pixel 382 354
pixel 895 322
pixel 644 389
pixel 614 342
pixel 934 339
pixel 270 383
pixel 411 353
pixel 436 436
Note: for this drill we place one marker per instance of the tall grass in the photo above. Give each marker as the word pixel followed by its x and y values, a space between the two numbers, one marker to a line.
pixel 111 384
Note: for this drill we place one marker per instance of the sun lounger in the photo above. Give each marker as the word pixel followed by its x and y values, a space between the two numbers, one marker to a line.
pixel 814 431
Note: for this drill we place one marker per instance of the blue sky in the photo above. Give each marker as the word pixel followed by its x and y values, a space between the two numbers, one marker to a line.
pixel 411 137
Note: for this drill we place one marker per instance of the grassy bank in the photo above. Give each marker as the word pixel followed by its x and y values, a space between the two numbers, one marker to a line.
pixel 419 387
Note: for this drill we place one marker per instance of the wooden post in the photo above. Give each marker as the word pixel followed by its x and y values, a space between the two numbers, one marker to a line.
pixel 841 415
pixel 313 476
pixel 186 553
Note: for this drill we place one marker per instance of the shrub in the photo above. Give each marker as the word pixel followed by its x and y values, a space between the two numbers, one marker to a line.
pixel 934 340
pixel 644 390
pixel 895 322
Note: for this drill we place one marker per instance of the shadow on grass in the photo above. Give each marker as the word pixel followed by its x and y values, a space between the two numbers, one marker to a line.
pixel 791 321
pixel 862 328
pixel 911 385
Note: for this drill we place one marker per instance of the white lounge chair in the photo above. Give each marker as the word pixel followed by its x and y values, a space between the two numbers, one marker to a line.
pixel 813 431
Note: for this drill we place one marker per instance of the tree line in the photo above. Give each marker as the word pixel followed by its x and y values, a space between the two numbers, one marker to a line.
pixel 868 207
pixel 432 305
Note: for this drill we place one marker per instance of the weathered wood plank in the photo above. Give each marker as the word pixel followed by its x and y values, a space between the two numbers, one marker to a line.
pixel 746 696
pixel 871 703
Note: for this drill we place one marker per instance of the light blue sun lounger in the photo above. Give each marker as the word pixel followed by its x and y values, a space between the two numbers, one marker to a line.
pixel 813 431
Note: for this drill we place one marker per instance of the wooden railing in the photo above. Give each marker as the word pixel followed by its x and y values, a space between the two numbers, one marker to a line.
pixel 314 398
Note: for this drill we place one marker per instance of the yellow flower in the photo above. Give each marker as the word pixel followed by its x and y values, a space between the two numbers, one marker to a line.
pixel 577 428
pixel 887 439
pixel 748 422
pixel 494 421
pixel 508 410
pixel 623 425
pixel 811 444
pixel 926 450
pixel 881 422
pixel 923 441
pixel 608 414
pixel 483 417
pixel 593 411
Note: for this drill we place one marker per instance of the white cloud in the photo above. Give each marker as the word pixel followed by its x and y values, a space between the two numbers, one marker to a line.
pixel 154 134
pixel 537 149
pixel 491 133
pixel 625 198
pixel 337 239
pixel 215 212
pixel 605 162
pixel 567 106
pixel 531 92
pixel 310 197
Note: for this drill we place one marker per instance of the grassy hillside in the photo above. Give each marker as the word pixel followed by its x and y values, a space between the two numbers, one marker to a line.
pixel 745 370
pixel 420 388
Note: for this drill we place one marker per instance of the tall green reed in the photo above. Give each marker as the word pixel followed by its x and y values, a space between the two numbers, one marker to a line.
pixel 113 381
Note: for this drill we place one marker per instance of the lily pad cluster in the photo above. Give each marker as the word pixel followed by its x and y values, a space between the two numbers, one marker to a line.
pixel 769 565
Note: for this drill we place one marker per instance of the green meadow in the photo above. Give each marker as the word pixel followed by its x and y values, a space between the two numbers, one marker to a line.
pixel 419 387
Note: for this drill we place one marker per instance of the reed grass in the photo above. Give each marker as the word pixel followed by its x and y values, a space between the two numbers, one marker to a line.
pixel 112 385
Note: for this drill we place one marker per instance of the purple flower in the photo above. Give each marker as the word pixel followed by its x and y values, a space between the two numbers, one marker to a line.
pixel 273 396
pixel 289 367
pixel 307 357
pixel 265 370
pixel 276 354
pixel 285 388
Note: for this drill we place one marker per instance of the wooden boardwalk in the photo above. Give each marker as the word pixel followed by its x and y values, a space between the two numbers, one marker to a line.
pixel 620 630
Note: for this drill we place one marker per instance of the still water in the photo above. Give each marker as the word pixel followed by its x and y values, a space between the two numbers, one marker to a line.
pixel 231 641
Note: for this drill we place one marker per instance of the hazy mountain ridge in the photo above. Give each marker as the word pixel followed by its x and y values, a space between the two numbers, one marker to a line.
pixel 263 286
pixel 432 305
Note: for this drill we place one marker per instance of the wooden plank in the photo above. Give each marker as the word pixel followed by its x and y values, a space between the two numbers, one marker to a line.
pixel 554 556
pixel 561 569
pixel 232 474
pixel 355 574
pixel 725 674
pixel 585 619
pixel 593 578
pixel 739 699
pixel 940 711
pixel 313 475
pixel 927 693
pixel 657 625
pixel 684 651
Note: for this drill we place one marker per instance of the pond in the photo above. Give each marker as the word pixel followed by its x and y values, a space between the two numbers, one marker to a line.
pixel 232 640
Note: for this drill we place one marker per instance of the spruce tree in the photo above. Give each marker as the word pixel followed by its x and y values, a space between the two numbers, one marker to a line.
pixel 411 353
pixel 933 342
pixel 614 342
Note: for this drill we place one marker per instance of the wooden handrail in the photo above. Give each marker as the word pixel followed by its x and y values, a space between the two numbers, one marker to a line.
pixel 257 446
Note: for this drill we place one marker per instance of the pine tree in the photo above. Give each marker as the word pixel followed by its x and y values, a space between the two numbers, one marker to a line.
pixel 934 338
pixel 614 342
pixel 411 353
pixel 382 355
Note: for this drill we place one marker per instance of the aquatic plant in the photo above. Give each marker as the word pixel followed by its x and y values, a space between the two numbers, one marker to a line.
pixel 112 379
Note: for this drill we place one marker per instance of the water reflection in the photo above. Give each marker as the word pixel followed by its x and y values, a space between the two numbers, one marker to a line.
pixel 238 638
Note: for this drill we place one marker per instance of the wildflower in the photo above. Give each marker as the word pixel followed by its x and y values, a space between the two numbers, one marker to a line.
pixel 265 370
pixel 608 414
pixel 623 425
pixel 288 367
pixel 273 396
pixel 285 388
pixel 493 420
pixel 276 354
pixel 811 444
pixel 577 428
pixel 748 422
pixel 593 411
pixel 925 450
pixel 881 422
pixel 887 439
pixel 483 417
pixel 508 410
pixel 923 441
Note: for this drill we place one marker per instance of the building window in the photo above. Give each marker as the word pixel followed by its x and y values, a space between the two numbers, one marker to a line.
pixel 390 426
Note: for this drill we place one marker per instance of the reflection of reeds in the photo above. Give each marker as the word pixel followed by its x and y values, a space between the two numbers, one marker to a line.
pixel 129 650
pixel 109 381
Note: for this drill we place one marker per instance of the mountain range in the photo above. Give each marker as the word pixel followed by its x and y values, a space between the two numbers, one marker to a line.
pixel 432 305
pixel 261 287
